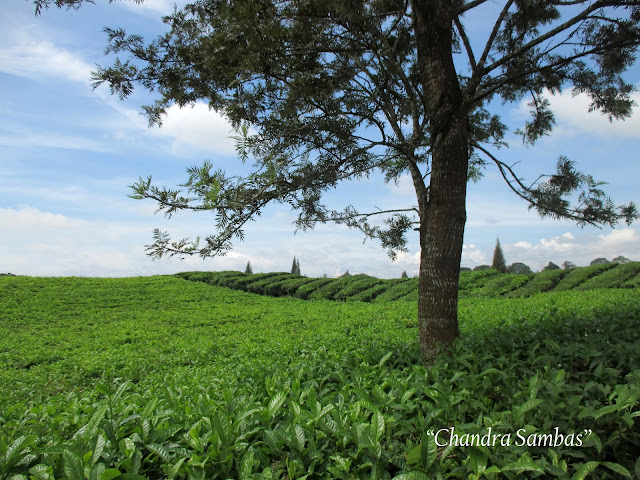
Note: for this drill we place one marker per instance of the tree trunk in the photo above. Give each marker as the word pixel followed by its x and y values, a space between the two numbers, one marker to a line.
pixel 442 213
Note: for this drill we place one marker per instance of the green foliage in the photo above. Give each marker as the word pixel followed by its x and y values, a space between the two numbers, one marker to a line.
pixel 497 285
pixel 398 290
pixel 245 386
pixel 248 269
pixel 550 266
pixel 519 268
pixel 499 262
pixel 599 261
pixel 612 277
pixel 577 276
pixel 542 282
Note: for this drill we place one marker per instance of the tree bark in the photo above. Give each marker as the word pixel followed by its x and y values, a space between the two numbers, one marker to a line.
pixel 443 212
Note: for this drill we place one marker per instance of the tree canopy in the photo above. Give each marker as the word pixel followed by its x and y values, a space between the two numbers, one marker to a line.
pixel 321 91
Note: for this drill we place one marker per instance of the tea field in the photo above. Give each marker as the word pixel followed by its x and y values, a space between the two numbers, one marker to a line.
pixel 483 283
pixel 160 377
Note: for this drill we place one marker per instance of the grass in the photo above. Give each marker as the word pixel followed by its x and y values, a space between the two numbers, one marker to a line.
pixel 161 378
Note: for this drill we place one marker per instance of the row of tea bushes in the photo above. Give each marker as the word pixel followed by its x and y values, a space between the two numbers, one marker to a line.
pixel 485 283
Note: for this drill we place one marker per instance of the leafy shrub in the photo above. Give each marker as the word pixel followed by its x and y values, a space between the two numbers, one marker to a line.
pixel 398 290
pixel 372 292
pixel 475 278
pixel 540 282
pixel 632 282
pixel 330 290
pixel 613 277
pixel 498 285
pixel 307 289
pixel 355 287
pixel 577 276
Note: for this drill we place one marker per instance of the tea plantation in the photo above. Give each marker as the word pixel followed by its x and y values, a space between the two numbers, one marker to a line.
pixel 160 377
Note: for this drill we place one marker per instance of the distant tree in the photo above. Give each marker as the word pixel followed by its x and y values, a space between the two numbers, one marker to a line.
pixel 465 269
pixel 298 267
pixel 323 92
pixel 599 261
pixel 519 268
pixel 295 267
pixel 498 259
pixel 324 275
pixel 551 266
pixel 346 274
pixel 404 275
pixel 482 267
pixel 248 269
pixel 621 259
pixel 567 265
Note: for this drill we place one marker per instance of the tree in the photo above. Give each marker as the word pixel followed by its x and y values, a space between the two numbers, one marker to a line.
pixel 519 268
pixel 567 265
pixel 481 267
pixel 321 92
pixel 621 259
pixel 498 259
pixel 248 269
pixel 599 261
pixel 295 267
pixel 551 266
pixel 404 275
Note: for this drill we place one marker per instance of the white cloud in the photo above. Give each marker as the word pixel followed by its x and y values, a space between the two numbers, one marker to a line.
pixel 472 256
pixel 38 59
pixel 197 127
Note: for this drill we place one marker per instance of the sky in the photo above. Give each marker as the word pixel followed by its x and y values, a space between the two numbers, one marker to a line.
pixel 68 154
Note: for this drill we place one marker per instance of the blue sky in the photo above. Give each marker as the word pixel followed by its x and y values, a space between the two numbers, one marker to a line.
pixel 68 154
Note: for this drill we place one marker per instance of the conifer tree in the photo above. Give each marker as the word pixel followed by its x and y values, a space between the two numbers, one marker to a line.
pixel 498 259
pixel 294 267
pixel 248 269
pixel 298 271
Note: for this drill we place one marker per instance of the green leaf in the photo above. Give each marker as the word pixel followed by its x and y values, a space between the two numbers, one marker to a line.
pixel 110 474
pixel 246 464
pixel 414 455
pixel 478 460
pixel 276 402
pixel 377 425
pixel 617 468
pixel 42 471
pixel 384 359
pixel 584 470
pixel 19 446
pixel 96 471
pixel 98 449
pixel 300 437
pixel 160 450
pixel 73 466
